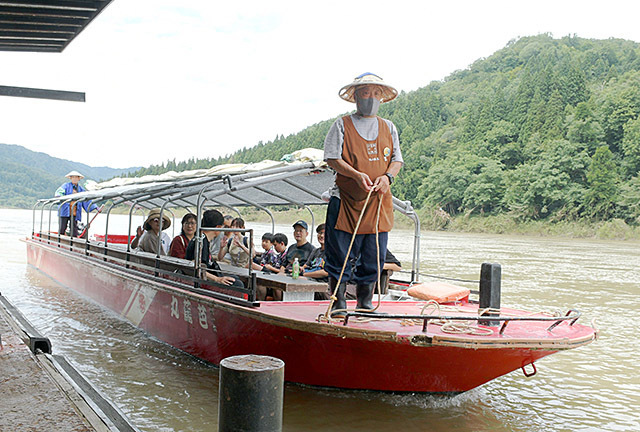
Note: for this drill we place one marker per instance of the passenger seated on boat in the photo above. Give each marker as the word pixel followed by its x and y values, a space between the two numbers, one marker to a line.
pixel 222 240
pixel 237 246
pixel 301 249
pixel 268 254
pixel 179 244
pixel 147 241
pixel 391 264
pixel 314 267
pixel 211 219
pixel 280 242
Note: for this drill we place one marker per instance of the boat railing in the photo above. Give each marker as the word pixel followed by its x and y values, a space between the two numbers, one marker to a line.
pixel 164 269
pixel 572 315
pixel 251 277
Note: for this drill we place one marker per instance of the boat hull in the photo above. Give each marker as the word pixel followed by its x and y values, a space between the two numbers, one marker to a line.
pixel 314 354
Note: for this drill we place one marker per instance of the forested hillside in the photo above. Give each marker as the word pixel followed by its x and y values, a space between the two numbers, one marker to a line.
pixel 27 175
pixel 542 129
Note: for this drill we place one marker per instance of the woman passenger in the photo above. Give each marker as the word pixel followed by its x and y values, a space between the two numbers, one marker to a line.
pixel 179 244
pixel 153 232
pixel 237 246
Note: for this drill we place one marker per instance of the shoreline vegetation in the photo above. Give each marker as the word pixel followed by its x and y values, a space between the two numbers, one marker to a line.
pixel 613 229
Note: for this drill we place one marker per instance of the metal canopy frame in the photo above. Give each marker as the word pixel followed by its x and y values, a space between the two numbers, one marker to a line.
pixel 45 25
pixel 184 192
pixel 297 184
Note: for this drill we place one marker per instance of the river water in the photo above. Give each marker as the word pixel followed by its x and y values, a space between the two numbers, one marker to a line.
pixel 593 388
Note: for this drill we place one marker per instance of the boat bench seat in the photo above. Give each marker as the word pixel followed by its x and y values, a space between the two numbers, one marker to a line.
pixel 301 289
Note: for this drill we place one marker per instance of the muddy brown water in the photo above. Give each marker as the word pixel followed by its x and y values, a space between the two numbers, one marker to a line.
pixel 593 388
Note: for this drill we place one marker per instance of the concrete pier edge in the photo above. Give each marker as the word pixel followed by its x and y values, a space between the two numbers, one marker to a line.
pixel 91 407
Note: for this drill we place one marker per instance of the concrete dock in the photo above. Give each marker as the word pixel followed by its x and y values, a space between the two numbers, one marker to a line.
pixel 40 391
pixel 30 398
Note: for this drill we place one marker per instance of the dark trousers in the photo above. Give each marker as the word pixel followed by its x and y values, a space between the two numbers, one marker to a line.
pixel 63 223
pixel 363 252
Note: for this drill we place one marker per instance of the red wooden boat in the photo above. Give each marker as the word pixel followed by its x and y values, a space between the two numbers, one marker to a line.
pixel 406 348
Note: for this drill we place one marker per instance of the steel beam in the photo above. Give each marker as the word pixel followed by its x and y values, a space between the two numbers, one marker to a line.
pixel 42 93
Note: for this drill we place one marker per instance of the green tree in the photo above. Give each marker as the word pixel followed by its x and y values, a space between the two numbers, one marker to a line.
pixel 631 147
pixel 629 200
pixel 536 190
pixel 486 188
pixel 464 181
pixel 583 128
pixel 446 182
pixel 602 178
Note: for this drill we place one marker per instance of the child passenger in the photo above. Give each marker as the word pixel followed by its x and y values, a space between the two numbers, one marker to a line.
pixel 279 247
pixel 278 251
pixel 266 257
pixel 314 267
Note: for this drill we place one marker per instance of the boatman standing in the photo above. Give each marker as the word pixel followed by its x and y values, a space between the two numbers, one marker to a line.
pixel 64 212
pixel 364 151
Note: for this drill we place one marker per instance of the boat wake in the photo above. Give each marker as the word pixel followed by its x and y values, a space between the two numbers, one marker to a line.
pixel 432 401
pixel 417 400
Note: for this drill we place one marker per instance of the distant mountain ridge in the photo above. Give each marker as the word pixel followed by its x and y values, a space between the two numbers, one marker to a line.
pixel 27 176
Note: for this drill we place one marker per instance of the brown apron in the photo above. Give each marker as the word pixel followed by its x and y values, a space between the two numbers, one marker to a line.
pixel 372 158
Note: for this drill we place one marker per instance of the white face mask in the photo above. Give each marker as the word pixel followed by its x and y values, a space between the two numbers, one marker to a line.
pixel 367 106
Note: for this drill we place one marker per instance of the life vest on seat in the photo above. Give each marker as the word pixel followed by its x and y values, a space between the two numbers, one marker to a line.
pixel 442 292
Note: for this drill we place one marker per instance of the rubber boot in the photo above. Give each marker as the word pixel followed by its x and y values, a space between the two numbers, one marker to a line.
pixel 340 303
pixel 364 294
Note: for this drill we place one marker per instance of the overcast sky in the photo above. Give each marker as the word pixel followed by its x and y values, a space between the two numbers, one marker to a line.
pixel 193 78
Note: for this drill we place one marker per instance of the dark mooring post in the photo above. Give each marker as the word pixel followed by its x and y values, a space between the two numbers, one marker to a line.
pixel 490 275
pixel 251 394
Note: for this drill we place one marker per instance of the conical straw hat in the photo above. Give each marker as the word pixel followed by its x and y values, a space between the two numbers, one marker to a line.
pixel 74 173
pixel 348 92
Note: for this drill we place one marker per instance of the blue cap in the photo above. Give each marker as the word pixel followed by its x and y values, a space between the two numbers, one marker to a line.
pixel 302 223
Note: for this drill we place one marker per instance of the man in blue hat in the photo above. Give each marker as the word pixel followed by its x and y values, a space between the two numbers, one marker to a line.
pixel 364 151
pixel 301 249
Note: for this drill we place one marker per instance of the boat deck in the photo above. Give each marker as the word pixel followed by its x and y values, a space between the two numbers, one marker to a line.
pixel 516 333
